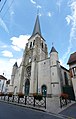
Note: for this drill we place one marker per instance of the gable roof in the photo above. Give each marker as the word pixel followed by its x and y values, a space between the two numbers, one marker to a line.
pixel 2 77
pixel 72 58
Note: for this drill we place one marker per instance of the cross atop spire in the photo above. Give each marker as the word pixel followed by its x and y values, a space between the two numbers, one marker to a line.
pixel 37 26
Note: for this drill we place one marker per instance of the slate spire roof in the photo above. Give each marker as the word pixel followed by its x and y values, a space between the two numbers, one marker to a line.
pixel 53 49
pixel 37 27
pixel 15 64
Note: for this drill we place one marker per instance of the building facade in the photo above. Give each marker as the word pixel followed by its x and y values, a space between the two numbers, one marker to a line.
pixel 72 69
pixel 37 72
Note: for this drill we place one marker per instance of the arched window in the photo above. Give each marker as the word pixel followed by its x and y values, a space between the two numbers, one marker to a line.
pixel 27 87
pixel 42 45
pixel 28 70
pixel 44 90
pixel 31 45
pixel 33 42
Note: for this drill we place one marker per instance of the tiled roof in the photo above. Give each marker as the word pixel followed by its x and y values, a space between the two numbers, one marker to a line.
pixel 72 58
pixel 2 77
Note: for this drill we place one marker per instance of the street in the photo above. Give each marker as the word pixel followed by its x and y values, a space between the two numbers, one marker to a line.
pixel 9 111
pixel 70 111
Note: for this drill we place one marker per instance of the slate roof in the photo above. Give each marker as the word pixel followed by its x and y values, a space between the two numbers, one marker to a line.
pixel 15 64
pixel 72 58
pixel 37 27
pixel 2 77
pixel 53 50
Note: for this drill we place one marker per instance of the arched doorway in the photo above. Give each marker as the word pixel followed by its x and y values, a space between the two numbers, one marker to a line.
pixel 44 90
pixel 27 87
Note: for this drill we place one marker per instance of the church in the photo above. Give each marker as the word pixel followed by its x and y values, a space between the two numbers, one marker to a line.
pixel 38 72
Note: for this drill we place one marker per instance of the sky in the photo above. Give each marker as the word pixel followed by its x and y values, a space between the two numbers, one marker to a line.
pixel 17 19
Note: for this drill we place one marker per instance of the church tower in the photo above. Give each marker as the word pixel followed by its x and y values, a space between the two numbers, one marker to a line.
pixel 55 72
pixel 35 51
pixel 15 67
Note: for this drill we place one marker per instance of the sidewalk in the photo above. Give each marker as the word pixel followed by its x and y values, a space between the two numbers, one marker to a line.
pixel 52 107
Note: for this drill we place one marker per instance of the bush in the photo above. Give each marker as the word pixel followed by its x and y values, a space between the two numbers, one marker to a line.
pixel 64 96
pixel 37 96
pixel 1 94
pixel 10 94
pixel 20 95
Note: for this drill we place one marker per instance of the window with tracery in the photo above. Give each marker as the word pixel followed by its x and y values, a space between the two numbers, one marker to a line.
pixel 28 70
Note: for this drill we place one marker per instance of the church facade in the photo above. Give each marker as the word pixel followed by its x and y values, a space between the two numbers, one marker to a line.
pixel 37 72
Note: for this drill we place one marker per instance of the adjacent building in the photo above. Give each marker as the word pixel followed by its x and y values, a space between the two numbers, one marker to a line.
pixel 72 69
pixel 3 84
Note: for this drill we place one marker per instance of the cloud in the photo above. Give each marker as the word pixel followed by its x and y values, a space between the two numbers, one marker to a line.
pixel 12 61
pixel 59 2
pixel 6 68
pixel 19 43
pixel 40 14
pixel 15 48
pixel 38 6
pixel 68 19
pixel 63 64
pixel 49 14
pixel 7 53
pixel 11 12
pixel 73 28
pixel 4 46
pixel 3 25
pixel 32 1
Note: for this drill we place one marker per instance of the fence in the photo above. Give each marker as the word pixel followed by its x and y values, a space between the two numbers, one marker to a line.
pixel 64 100
pixel 26 100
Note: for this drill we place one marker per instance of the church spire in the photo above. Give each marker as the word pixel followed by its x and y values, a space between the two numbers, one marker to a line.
pixel 37 26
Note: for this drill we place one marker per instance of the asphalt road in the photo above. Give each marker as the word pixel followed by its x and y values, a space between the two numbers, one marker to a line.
pixel 9 111
pixel 70 111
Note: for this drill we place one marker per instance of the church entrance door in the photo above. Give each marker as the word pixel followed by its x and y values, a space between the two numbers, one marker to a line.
pixel 27 87
pixel 44 90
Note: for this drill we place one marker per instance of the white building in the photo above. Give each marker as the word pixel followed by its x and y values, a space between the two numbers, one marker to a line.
pixel 37 72
pixel 2 84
